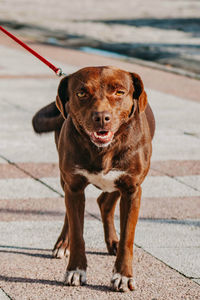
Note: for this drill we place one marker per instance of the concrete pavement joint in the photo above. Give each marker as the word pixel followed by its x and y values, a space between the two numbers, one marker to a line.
pixel 48 186
pixel 163 233
pixel 3 295
pixel 166 264
pixel 24 248
pixel 179 272
pixel 27 226
pixel 195 223
pixel 43 183
pixel 164 250
pixel 186 184
pixel 30 175
pixel 194 135
pixel 97 218
pixel 186 222
pixel 176 179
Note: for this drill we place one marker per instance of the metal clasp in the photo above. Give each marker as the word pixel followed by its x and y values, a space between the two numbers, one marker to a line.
pixel 59 72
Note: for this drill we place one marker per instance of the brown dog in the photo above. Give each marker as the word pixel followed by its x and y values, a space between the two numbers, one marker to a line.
pixel 103 136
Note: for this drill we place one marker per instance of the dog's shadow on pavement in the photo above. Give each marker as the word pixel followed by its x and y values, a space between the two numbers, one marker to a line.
pixel 24 251
pixel 27 253
pixel 10 249
pixel 102 288
pixel 97 253
pixel 17 250
pixel 30 280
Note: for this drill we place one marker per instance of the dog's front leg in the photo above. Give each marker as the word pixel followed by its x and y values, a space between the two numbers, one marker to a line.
pixel 75 205
pixel 122 279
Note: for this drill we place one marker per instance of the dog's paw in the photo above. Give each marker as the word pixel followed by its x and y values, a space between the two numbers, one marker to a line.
pixel 60 251
pixel 112 247
pixel 75 278
pixel 120 283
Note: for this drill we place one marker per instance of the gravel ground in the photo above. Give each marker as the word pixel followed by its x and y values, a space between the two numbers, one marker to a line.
pixel 166 32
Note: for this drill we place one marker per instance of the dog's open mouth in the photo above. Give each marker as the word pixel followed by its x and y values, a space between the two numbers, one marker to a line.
pixel 102 137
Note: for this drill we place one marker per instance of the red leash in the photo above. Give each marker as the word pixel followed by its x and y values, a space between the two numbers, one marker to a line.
pixel 58 71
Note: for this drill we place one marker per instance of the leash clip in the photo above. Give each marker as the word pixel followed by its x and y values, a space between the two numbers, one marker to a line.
pixel 59 72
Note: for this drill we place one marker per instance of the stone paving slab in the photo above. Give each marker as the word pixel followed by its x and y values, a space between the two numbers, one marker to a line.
pixel 174 208
pixel 180 86
pixel 39 170
pixel 171 168
pixel 22 63
pixel 24 240
pixel 167 32
pixel 36 276
pixel 54 208
pixel 15 67
pixel 193 181
pixel 3 295
pixel 170 208
pixel 24 188
pixel 10 171
pixel 171 145
pixel 176 167
pixel 197 281
pixel 23 170
pixel 2 161
pixel 162 187
pixel 32 209
pixel 174 242
pixel 153 186
pixel 175 113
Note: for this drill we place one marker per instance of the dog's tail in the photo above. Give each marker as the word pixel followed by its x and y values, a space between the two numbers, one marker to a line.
pixel 47 119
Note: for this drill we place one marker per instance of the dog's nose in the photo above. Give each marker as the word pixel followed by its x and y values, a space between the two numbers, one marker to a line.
pixel 101 118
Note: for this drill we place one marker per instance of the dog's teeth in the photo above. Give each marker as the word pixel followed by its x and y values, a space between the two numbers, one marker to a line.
pixel 102 136
pixel 96 135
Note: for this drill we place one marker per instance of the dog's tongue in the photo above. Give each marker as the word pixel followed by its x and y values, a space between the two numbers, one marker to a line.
pixel 102 137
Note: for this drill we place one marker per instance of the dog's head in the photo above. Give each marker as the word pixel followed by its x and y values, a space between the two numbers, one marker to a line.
pixel 100 100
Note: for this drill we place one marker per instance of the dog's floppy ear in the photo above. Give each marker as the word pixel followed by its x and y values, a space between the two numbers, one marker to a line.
pixel 62 97
pixel 139 92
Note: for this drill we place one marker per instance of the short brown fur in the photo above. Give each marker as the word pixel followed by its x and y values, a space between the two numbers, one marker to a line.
pixel 114 101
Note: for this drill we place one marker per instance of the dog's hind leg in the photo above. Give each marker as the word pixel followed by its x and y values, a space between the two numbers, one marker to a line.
pixel 61 248
pixel 107 203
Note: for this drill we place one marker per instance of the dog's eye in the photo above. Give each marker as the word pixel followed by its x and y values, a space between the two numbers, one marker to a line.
pixel 81 94
pixel 119 93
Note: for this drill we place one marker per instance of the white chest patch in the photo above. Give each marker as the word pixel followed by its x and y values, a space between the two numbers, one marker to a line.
pixel 106 182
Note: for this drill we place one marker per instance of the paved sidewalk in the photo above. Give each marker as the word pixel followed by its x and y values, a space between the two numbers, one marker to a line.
pixel 167 244
pixel 166 32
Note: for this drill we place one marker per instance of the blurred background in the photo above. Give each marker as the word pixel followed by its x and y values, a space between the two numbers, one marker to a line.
pixel 163 32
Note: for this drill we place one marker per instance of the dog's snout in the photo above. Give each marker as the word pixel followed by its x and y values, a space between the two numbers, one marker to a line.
pixel 101 118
